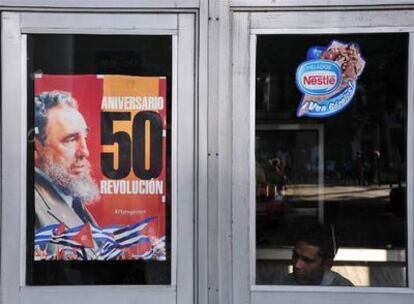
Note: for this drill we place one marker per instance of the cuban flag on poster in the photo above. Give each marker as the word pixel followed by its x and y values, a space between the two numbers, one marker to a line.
pixel 91 242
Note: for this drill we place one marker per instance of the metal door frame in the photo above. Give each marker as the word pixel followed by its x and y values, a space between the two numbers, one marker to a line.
pixel 15 26
pixel 246 25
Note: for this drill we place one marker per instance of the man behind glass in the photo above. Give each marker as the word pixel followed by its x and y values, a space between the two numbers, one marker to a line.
pixel 62 171
pixel 312 259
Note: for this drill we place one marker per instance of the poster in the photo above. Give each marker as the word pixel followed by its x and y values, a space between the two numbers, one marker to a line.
pixel 100 167
pixel 328 79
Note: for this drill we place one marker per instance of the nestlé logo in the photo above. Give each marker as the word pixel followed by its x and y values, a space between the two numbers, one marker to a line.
pixel 318 77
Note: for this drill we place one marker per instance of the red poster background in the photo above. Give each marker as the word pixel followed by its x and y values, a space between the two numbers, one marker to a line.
pixel 88 90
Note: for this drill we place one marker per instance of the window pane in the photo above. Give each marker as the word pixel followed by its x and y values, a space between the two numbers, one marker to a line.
pixel 331 177
pixel 99 200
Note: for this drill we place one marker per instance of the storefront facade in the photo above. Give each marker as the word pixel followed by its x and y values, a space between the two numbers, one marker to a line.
pixel 202 138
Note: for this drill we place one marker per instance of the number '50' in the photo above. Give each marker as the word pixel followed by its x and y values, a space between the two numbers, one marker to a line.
pixel 146 144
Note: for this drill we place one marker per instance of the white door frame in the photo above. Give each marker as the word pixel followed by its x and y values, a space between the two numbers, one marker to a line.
pixel 15 26
pixel 246 26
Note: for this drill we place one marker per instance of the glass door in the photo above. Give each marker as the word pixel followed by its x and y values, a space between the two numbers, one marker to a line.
pixel 326 187
pixel 100 155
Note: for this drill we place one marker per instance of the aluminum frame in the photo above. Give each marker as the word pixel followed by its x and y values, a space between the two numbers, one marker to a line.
pixel 102 4
pixel 15 26
pixel 313 3
pixel 246 26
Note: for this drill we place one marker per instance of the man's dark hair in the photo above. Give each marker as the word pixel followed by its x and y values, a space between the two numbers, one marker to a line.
pixel 321 236
pixel 46 101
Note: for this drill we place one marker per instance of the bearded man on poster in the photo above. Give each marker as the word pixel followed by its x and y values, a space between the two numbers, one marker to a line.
pixel 63 182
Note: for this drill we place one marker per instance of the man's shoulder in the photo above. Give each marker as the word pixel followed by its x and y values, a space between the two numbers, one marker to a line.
pixel 41 180
pixel 332 278
pixel 289 279
pixel 46 193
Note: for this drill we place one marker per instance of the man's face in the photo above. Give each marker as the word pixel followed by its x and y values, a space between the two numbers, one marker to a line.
pixel 63 157
pixel 308 265
pixel 66 133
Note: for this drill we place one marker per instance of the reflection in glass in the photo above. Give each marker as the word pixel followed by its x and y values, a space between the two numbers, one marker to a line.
pixel 345 174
